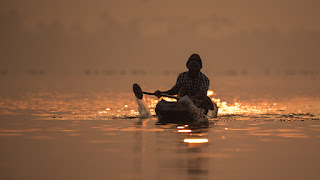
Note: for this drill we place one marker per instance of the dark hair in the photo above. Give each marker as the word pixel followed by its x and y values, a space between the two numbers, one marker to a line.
pixel 196 58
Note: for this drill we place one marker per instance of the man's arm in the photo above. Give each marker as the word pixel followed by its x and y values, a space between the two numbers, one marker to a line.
pixel 174 90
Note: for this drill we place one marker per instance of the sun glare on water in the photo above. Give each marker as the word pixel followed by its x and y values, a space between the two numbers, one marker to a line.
pixel 194 140
pixel 229 108
pixel 225 108
pixel 239 108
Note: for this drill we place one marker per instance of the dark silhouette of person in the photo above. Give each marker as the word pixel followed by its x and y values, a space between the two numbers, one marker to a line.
pixel 192 83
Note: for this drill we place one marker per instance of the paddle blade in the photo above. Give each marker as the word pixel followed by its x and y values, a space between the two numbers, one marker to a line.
pixel 137 91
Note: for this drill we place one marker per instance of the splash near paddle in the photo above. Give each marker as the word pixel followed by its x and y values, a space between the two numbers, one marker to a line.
pixel 142 107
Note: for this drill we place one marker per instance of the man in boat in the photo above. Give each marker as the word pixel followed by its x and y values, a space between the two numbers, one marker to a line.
pixel 194 84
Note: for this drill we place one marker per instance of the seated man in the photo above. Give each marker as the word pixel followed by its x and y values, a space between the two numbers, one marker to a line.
pixel 192 83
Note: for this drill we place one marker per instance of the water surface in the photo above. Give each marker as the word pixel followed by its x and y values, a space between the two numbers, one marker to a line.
pixel 75 135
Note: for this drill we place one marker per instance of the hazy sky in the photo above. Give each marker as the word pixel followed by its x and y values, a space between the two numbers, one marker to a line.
pixel 150 34
pixel 283 15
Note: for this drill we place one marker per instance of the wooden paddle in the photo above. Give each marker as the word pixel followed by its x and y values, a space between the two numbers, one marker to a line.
pixel 139 93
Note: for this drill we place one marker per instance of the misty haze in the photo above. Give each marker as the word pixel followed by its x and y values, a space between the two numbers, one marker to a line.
pixel 68 108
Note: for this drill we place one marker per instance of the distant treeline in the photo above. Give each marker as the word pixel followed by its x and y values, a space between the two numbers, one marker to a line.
pixel 141 72
pixel 229 72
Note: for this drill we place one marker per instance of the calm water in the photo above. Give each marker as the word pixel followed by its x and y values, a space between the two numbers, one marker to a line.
pixel 48 134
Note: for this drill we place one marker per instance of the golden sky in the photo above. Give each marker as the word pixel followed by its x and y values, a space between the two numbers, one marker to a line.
pixel 131 33
pixel 283 15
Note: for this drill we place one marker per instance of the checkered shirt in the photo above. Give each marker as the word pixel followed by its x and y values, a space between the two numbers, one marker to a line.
pixel 192 86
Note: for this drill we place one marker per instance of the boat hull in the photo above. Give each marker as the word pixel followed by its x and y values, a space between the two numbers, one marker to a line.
pixel 178 113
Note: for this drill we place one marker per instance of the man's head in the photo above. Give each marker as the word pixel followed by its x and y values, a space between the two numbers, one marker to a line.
pixel 194 58
pixel 194 65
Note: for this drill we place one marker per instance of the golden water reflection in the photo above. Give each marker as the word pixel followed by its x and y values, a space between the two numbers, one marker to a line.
pixel 65 105
pixel 196 140
pixel 142 148
pixel 100 133
pixel 184 130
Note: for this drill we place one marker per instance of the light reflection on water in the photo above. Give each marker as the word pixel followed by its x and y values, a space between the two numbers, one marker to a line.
pixel 99 136
pixel 140 149
pixel 110 105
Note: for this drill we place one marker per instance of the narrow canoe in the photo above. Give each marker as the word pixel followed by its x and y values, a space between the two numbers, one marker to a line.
pixel 178 113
